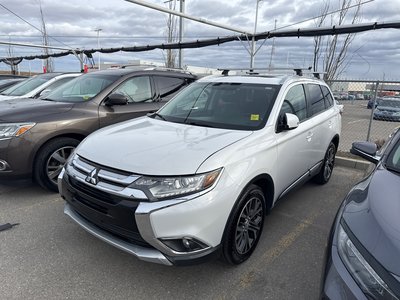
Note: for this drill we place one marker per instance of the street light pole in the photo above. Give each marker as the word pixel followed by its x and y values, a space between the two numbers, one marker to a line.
pixel 182 11
pixel 98 44
pixel 253 39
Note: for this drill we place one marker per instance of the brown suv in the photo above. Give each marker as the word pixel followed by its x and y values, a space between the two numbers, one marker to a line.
pixel 38 135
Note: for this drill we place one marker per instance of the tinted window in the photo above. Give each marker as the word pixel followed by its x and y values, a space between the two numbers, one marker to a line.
pixel 58 83
pixel 168 86
pixel 328 96
pixel 242 106
pixel 136 89
pixel 316 99
pixel 295 102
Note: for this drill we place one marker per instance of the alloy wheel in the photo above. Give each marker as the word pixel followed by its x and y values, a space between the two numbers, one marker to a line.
pixel 249 225
pixel 56 162
pixel 329 162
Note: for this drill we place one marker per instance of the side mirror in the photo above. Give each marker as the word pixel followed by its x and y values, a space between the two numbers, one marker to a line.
pixel 116 99
pixel 287 121
pixel 44 92
pixel 365 150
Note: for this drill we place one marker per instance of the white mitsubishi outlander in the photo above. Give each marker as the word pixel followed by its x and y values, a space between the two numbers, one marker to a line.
pixel 197 178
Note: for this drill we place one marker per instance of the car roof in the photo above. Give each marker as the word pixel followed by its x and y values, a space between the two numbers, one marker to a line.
pixel 128 71
pixel 259 79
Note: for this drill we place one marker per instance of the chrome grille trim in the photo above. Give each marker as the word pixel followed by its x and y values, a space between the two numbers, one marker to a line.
pixel 109 182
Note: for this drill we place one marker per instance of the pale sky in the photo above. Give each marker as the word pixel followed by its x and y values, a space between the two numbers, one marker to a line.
pixel 374 54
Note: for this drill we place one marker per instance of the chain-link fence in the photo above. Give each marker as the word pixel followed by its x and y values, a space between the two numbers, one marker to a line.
pixel 371 109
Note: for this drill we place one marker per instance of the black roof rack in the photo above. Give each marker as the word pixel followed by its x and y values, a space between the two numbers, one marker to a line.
pixel 251 71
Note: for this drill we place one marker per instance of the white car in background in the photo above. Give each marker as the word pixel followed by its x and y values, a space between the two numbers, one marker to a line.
pixel 37 85
pixel 197 178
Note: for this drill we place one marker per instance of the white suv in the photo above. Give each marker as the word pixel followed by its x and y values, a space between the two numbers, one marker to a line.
pixel 197 178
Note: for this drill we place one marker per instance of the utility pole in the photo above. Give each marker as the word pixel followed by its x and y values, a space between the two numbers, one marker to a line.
pixel 272 50
pixel 253 39
pixel 182 11
pixel 98 44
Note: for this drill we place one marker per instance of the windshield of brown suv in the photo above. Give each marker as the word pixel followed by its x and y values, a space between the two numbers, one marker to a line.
pixel 243 106
pixel 82 88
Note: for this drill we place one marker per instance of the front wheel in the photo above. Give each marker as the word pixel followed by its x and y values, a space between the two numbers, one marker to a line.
pixel 245 226
pixel 327 167
pixel 51 159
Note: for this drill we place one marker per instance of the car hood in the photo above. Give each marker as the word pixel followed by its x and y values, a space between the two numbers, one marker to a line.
pixel 5 97
pixel 373 216
pixel 154 147
pixel 30 110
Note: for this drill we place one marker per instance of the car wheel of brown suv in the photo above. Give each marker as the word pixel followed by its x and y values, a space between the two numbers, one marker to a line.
pixel 51 159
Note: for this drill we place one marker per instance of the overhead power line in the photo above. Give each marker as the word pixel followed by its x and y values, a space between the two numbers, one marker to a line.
pixel 300 32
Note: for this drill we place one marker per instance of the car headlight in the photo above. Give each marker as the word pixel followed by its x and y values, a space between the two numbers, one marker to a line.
pixel 368 280
pixel 167 187
pixel 8 130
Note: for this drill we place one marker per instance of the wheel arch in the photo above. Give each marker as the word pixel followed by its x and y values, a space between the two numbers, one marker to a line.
pixel 76 136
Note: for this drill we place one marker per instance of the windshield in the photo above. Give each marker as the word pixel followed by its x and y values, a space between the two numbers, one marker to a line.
pixel 242 106
pixel 393 160
pixel 28 85
pixel 82 88
pixel 390 103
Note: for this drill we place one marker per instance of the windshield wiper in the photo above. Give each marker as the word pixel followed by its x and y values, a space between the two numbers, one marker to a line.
pixel 155 114
pixel 392 169
pixel 199 124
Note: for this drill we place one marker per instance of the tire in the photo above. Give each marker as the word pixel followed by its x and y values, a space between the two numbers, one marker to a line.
pixel 50 161
pixel 327 167
pixel 245 226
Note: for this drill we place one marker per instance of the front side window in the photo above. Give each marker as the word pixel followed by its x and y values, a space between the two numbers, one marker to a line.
pixel 315 98
pixel 136 89
pixel 295 102
pixel 242 106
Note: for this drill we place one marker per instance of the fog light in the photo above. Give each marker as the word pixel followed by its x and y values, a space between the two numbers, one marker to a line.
pixel 185 244
pixel 3 165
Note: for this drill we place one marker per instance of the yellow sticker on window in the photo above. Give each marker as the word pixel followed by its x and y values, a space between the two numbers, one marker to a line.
pixel 254 117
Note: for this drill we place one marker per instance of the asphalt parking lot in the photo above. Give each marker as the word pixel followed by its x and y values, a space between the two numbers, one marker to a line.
pixel 48 256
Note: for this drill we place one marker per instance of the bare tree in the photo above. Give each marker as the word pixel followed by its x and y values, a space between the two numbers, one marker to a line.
pixel 171 36
pixel 13 66
pixel 333 50
pixel 48 62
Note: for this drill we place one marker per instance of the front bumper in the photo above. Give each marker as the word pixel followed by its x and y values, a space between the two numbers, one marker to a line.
pixel 15 160
pixel 337 282
pixel 142 228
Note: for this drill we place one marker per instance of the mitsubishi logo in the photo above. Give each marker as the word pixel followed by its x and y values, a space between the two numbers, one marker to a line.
pixel 92 177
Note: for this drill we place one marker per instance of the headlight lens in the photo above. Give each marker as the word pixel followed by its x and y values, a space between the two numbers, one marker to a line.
pixel 8 130
pixel 165 187
pixel 368 280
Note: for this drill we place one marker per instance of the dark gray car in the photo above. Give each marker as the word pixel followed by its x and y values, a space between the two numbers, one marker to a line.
pixel 364 245
pixel 38 135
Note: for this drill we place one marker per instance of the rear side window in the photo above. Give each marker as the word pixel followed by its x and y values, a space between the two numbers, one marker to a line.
pixel 295 102
pixel 315 98
pixel 328 96
pixel 168 86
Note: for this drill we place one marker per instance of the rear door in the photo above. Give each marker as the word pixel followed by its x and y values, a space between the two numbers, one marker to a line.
pixel 141 95
pixel 324 114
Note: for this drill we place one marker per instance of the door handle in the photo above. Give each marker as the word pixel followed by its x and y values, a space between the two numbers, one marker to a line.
pixel 309 136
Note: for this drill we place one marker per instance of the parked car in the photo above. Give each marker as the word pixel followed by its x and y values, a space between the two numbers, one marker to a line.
pixel 6 83
pixel 37 85
pixel 362 260
pixel 196 179
pixel 38 135
pixel 388 109
pixel 370 103
pixel 9 76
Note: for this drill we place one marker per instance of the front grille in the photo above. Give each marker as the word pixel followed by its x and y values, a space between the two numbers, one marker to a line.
pixel 109 202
